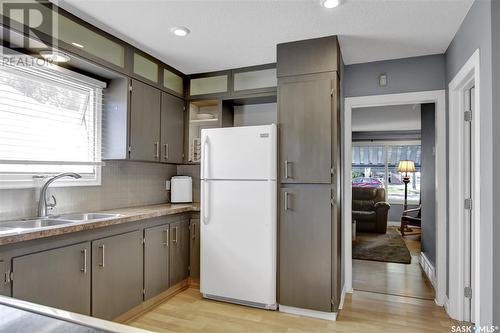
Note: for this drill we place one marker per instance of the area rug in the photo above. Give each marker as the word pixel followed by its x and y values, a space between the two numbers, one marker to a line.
pixel 388 247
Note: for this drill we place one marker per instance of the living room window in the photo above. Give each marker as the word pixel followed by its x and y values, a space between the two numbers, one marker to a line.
pixel 374 165
pixel 50 122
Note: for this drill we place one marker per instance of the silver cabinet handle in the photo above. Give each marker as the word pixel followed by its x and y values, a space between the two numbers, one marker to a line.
pixel 194 231
pixel 175 233
pixel 84 268
pixel 286 169
pixel 165 148
pixel 285 201
pixel 165 243
pixel 101 264
pixel 157 150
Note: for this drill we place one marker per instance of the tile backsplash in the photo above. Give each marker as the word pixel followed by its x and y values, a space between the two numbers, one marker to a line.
pixel 124 184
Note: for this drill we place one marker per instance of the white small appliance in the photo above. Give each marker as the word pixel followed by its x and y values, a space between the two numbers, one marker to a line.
pixel 181 189
pixel 238 213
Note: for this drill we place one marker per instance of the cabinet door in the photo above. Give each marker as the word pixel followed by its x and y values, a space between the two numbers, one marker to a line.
pixel 144 122
pixel 116 274
pixel 172 128
pixel 179 251
pixel 305 247
pixel 194 249
pixel 59 278
pixel 156 260
pixel 305 118
pixel 4 278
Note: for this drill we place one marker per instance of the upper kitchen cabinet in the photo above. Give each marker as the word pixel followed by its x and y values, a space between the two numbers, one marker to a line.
pixel 209 84
pixel 305 116
pixel 308 56
pixel 254 79
pixel 145 103
pixel 145 67
pixel 172 128
pixel 173 82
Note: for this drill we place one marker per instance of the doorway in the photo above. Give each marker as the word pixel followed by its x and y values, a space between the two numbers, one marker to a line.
pixel 438 273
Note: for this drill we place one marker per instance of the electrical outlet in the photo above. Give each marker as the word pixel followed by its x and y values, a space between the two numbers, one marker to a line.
pixel 167 185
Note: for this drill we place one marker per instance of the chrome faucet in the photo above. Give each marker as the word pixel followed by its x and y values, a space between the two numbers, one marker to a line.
pixel 43 204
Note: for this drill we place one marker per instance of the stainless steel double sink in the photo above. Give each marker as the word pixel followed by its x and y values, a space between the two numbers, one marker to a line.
pixel 55 220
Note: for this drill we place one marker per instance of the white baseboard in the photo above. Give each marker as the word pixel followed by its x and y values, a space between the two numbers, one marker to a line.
pixel 308 313
pixel 342 298
pixel 447 306
pixel 428 268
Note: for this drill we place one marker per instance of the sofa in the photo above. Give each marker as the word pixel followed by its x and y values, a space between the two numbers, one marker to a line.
pixel 370 209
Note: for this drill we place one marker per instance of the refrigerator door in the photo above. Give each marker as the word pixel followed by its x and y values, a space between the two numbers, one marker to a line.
pixel 238 242
pixel 239 153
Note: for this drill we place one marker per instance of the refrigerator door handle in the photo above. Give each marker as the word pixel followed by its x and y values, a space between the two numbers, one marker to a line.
pixel 206 196
pixel 204 171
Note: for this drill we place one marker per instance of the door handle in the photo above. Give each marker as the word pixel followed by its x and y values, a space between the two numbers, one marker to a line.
pixel 165 243
pixel 165 149
pixel 101 264
pixel 193 236
pixel 157 150
pixel 84 268
pixel 285 201
pixel 287 176
pixel 174 241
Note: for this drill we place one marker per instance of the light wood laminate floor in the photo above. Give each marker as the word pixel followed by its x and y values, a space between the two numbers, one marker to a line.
pixel 363 312
pixel 391 278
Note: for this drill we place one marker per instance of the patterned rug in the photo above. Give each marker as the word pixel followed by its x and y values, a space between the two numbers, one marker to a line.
pixel 388 247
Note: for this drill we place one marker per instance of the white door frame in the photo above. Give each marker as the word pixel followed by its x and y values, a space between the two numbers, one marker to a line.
pixel 480 258
pixel 439 98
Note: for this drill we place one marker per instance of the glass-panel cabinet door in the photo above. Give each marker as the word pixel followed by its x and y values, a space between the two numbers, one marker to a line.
pixel 145 68
pixel 265 78
pixel 173 81
pixel 208 85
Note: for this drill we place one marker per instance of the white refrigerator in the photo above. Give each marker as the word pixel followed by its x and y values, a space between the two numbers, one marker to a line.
pixel 238 215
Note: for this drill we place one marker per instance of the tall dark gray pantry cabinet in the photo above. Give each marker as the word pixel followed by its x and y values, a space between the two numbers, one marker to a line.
pixel 309 168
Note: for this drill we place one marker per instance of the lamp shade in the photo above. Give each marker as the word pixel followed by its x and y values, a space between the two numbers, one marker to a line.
pixel 406 166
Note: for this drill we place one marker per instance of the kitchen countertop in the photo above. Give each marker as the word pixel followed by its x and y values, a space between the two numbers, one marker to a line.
pixel 127 215
pixel 18 316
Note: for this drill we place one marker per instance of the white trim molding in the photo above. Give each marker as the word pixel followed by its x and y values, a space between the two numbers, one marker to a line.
pixel 481 255
pixel 308 313
pixel 428 268
pixel 439 98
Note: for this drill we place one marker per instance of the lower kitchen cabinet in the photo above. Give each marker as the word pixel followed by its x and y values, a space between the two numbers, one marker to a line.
pixel 58 278
pixel 179 251
pixel 305 247
pixel 4 278
pixel 117 274
pixel 156 260
pixel 194 250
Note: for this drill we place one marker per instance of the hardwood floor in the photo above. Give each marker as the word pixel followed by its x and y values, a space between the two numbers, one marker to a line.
pixel 391 278
pixel 363 312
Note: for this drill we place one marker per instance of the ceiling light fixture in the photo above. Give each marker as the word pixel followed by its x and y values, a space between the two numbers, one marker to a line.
pixel 180 31
pixel 330 3
pixel 77 45
pixel 55 56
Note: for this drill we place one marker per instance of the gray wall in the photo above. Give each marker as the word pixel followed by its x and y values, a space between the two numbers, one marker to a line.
pixel 124 184
pixel 403 75
pixel 428 181
pixel 495 21
pixel 255 114
pixel 474 33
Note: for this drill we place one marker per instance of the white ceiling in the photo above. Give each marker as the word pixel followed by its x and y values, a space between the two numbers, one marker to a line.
pixel 236 33
pixel 386 118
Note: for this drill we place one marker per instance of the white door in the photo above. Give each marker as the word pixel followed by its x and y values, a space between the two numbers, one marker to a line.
pixel 238 240
pixel 239 153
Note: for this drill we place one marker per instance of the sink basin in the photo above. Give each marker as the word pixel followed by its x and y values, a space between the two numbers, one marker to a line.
pixel 82 217
pixel 33 224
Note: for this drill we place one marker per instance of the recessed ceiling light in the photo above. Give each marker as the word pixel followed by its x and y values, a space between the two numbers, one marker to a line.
pixel 77 45
pixel 180 31
pixel 330 3
pixel 55 56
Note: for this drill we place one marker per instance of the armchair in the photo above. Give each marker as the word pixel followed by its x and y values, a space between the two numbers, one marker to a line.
pixel 369 209
pixel 408 220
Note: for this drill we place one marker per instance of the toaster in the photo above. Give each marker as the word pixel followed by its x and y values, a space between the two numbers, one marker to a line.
pixel 181 189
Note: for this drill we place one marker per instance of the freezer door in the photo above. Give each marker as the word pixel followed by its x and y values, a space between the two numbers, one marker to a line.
pixel 239 153
pixel 238 240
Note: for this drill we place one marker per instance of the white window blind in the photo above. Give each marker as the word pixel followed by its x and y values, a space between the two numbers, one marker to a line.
pixel 50 122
